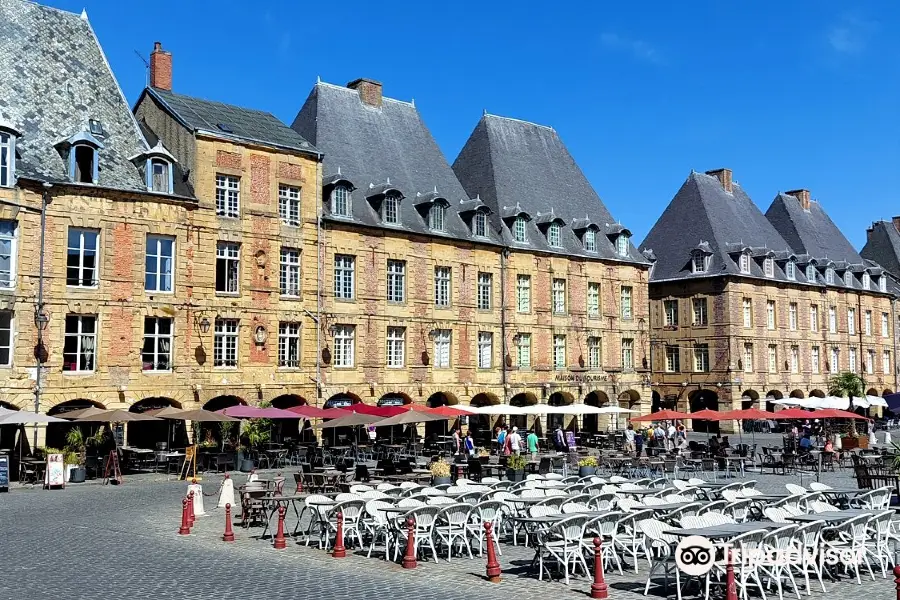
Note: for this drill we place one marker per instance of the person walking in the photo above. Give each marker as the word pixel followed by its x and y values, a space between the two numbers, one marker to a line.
pixel 629 439
pixel 515 441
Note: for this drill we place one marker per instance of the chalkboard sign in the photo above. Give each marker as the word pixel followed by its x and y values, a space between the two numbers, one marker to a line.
pixel 570 440
pixel 4 472
pixel 56 471
pixel 119 434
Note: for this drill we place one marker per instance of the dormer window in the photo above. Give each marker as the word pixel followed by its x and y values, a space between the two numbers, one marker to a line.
pixel 436 215
pixel 590 240
pixel 769 267
pixel 882 283
pixel 340 201
pixel 83 167
pixel 829 276
pixel 811 273
pixel 390 209
pixel 7 158
pixel 699 263
pixel 790 271
pixel 519 234
pixel 479 224
pixel 622 245
pixel 745 262
pixel 553 235
pixel 866 280
pixel 159 176
pixel 848 279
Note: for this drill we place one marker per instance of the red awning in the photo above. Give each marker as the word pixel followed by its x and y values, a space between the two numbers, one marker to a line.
pixel 796 413
pixel 377 411
pixel 746 414
pixel 447 411
pixel 833 413
pixel 663 415
pixel 706 415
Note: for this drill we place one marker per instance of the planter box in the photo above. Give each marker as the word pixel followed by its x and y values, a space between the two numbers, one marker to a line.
pixel 863 442
pixel 515 475
pixel 440 481
pixel 586 471
pixel 246 465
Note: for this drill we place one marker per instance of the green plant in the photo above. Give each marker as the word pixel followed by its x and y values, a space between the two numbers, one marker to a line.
pixel 516 462
pixel 851 385
pixel 75 446
pixel 256 432
pixel 69 457
pixel 226 429
pixel 588 461
pixel 439 468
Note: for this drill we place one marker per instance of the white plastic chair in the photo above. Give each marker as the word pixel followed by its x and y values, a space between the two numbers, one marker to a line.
pixel 563 542
pixel 776 544
pixel 659 548
pixel 451 526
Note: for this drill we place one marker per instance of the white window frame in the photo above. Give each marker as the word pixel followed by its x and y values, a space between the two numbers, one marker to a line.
pixel 82 252
pixel 289 205
pixel 228 196
pixel 442 285
pixel 748 313
pixel 870 362
pixel 793 318
pixel 554 235
pixel 479 224
pixel 593 299
pixel 790 270
pixel 559 296
pixel 832 319
pixel 485 291
pixel 699 263
pixel 7 329
pixel 559 352
pixel 745 263
pixel 815 360
pixel 7 159
pixel 627 298
pixel 81 343
pixel 795 359
pixel 627 354
pixel 390 209
pixel 590 240
pixel 622 245
pixel 344 276
pixel 866 280
pixel 701 358
pixel 523 293
pixel 835 360
pixel 154 251
pixel 769 266
pixel 225 343
pixel 848 279
pixel 748 358
pixel 289 274
pixel 867 322
pixel 886 362
pixel 443 340
pixel 882 283
pixel 395 351
pixel 851 360
pixel 485 350
pixel 157 339
pixel 829 276
pixel 523 351
pixel 773 358
pixel 8 279
pixel 851 321
pixel 670 313
pixel 289 338
pixel 885 325
pixel 771 318
pixel 230 253
pixel 396 281
pixel 167 178
pixel 673 359
pixel 700 312
pixel 437 216
pixel 519 233
pixel 344 346
pixel 811 273
pixel 341 201
pixel 813 317
pixel 595 352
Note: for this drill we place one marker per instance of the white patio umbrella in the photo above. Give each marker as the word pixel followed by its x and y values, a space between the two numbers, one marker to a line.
pixel 24 417
pixel 498 409
pixel 614 410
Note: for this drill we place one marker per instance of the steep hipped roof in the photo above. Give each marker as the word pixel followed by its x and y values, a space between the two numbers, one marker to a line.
pixel 55 79
pixel 516 167
pixel 810 231
pixel 379 147
pixel 883 246
pixel 703 211
pixel 229 121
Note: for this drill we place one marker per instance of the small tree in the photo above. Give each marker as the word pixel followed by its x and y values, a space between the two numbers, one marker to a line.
pixel 850 385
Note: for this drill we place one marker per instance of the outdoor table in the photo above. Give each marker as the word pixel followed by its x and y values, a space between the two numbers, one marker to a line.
pixel 830 516
pixel 639 493
pixel 768 497
pixel 730 459
pixel 277 501
pixel 668 506
pixel 727 530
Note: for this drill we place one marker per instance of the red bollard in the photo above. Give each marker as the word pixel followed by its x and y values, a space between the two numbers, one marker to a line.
pixel 185 528
pixel 191 509
pixel 279 535
pixel 229 533
pixel 299 485
pixel 409 558
pixel 339 550
pixel 897 580
pixel 598 588
pixel 493 565
pixel 730 586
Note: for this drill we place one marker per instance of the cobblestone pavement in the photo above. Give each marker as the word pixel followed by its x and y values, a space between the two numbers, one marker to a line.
pixel 94 541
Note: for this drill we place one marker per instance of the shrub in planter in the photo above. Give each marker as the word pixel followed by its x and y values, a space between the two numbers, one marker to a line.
pixel 587 466
pixel 515 467
pixel 440 472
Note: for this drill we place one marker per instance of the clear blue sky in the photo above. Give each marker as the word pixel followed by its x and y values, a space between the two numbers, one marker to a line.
pixel 787 94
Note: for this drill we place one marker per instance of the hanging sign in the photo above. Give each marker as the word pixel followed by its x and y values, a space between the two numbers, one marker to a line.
pixel 56 471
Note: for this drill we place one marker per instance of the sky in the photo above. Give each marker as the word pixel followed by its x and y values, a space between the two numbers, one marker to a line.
pixel 800 94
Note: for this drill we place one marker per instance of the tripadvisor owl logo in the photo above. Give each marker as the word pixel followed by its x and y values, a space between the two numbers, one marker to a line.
pixel 695 555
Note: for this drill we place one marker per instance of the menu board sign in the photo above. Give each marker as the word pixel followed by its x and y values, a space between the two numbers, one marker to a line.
pixel 56 471
pixel 4 472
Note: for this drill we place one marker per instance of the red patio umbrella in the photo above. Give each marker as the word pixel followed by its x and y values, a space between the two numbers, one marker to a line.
pixel 446 411
pixel 662 415
pixel 377 411
pixel 309 412
pixel 255 412
pixel 834 413
pixel 795 413
pixel 747 414
pixel 706 415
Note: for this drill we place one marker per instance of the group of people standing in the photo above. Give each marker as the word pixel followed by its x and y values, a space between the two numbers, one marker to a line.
pixel 668 438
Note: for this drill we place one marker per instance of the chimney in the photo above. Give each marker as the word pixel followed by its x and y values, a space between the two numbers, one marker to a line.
pixel 369 90
pixel 802 196
pixel 896 222
pixel 724 177
pixel 160 68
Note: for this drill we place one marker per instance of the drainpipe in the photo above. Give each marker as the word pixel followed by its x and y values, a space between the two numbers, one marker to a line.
pixel 319 259
pixel 45 200
pixel 504 256
pixel 893 333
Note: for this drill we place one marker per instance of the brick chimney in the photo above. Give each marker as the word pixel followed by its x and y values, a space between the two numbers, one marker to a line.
pixel 802 196
pixel 160 68
pixel 724 177
pixel 369 90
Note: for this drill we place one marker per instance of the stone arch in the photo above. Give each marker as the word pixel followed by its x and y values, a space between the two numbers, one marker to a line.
pixel 224 401
pixel 394 399
pixel 441 399
pixel 704 399
pixel 8 432
pixel 56 432
pixel 179 398
pixel 629 398
pixel 484 399
pixel 523 399
pixel 817 394
pixel 561 398
pixel 284 429
pixel 342 399
pixel 796 394
pixel 886 392
pixel 150 433
pixel 655 401
pixel 871 392
pixel 285 401
pixel 483 422
pixel 749 398
pixel 592 423
pixel 770 396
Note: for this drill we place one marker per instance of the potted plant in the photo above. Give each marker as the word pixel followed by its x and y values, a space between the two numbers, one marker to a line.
pixel 483 455
pixel 75 451
pixel 440 472
pixel 587 466
pixel 515 467
pixel 254 435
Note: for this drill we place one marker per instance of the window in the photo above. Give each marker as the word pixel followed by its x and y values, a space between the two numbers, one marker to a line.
pixel 159 176
pixel 80 346
pixel 590 240
pixel 344 273
pixel 848 279
pixel 748 313
pixel 159 264
pixel 436 215
pixel 344 345
pixel 340 201
pixel 442 340
pixel 886 362
pixel 622 245
pixel 228 258
pixel 866 280
pixel 523 293
pixel 628 354
pixel 773 358
pixel 289 278
pixel 700 316
pixel 8 254
pixel 814 359
pixel 83 163
pixel 594 349
pixel 769 267
pixel 485 290
pixel 792 316
pixel 673 360
pixel 81 260
pixel 811 273
pixel 6 337
pixel 559 352
pixel 698 265
pixel 593 299
pixel 882 283
pixel 519 230
pixel 790 270
pixel 813 317
pixel 289 345
pixel 442 286
pixel 626 303
pixel 851 321
pixel 156 354
pixel 867 322
pixel 225 342
pixel 671 312
pixel 228 196
pixel 523 350
pixel 390 209
pixel 701 358
pixel 884 325
pixel 851 360
pixel 870 362
pixel 829 276
pixel 795 359
pixel 745 263
pixel 289 205
pixel 396 280
pixel 832 320
pixel 559 296
pixel 485 349
pixel 479 225
pixel 770 314
pixel 835 360
pixel 748 358
pixel 553 235
pixel 7 158
pixel 396 346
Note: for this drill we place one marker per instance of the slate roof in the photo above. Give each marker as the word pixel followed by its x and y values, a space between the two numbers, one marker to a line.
pixel 55 78
pixel 810 231
pixel 375 148
pixel 515 167
pixel 229 121
pixel 883 246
